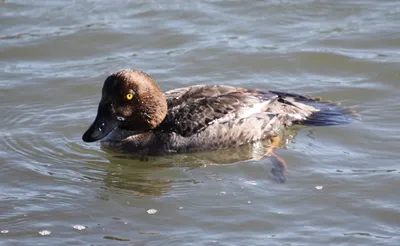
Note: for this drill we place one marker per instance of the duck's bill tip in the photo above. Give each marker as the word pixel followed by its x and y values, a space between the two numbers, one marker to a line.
pixel 88 138
pixel 100 128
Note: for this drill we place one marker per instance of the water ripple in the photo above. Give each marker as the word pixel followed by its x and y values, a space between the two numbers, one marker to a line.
pixel 55 57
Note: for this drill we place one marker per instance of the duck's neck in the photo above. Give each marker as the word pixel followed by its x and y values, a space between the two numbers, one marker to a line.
pixel 154 110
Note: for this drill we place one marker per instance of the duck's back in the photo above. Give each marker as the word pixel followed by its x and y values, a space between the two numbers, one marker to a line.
pixel 212 117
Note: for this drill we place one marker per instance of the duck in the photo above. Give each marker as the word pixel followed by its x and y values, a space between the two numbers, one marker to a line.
pixel 135 116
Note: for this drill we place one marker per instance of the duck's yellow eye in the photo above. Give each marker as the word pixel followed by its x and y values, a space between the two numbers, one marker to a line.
pixel 129 96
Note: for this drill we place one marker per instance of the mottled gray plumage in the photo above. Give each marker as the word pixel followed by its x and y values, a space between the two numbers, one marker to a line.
pixel 208 117
pixel 135 116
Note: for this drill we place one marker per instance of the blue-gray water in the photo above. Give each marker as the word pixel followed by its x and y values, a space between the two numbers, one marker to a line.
pixel 343 182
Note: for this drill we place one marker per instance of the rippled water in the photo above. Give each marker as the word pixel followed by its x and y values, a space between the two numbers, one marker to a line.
pixel 343 181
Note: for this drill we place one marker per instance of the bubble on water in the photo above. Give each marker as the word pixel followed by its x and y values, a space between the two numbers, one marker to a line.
pixel 79 227
pixel 4 231
pixel 151 211
pixel 45 233
pixel 319 187
pixel 248 202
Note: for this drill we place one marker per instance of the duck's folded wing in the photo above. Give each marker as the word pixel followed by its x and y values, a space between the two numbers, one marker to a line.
pixel 192 109
pixel 315 111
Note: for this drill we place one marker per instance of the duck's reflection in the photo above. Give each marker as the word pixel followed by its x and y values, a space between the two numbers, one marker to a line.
pixel 142 174
pixel 133 173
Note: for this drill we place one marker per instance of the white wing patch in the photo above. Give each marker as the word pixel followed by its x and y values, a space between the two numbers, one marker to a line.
pixel 258 108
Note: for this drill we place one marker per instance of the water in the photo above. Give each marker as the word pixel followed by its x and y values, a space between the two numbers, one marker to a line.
pixel 343 181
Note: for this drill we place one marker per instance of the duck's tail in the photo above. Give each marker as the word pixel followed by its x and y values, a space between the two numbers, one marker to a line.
pixel 328 114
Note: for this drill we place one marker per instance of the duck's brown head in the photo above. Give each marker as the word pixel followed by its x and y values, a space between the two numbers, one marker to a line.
pixel 130 100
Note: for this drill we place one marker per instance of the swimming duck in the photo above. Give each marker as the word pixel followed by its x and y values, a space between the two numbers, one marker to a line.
pixel 135 115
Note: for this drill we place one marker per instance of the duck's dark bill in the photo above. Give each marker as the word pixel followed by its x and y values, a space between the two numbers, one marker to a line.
pixel 101 127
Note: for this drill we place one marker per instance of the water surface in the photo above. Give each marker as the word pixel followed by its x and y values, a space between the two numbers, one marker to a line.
pixel 343 181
